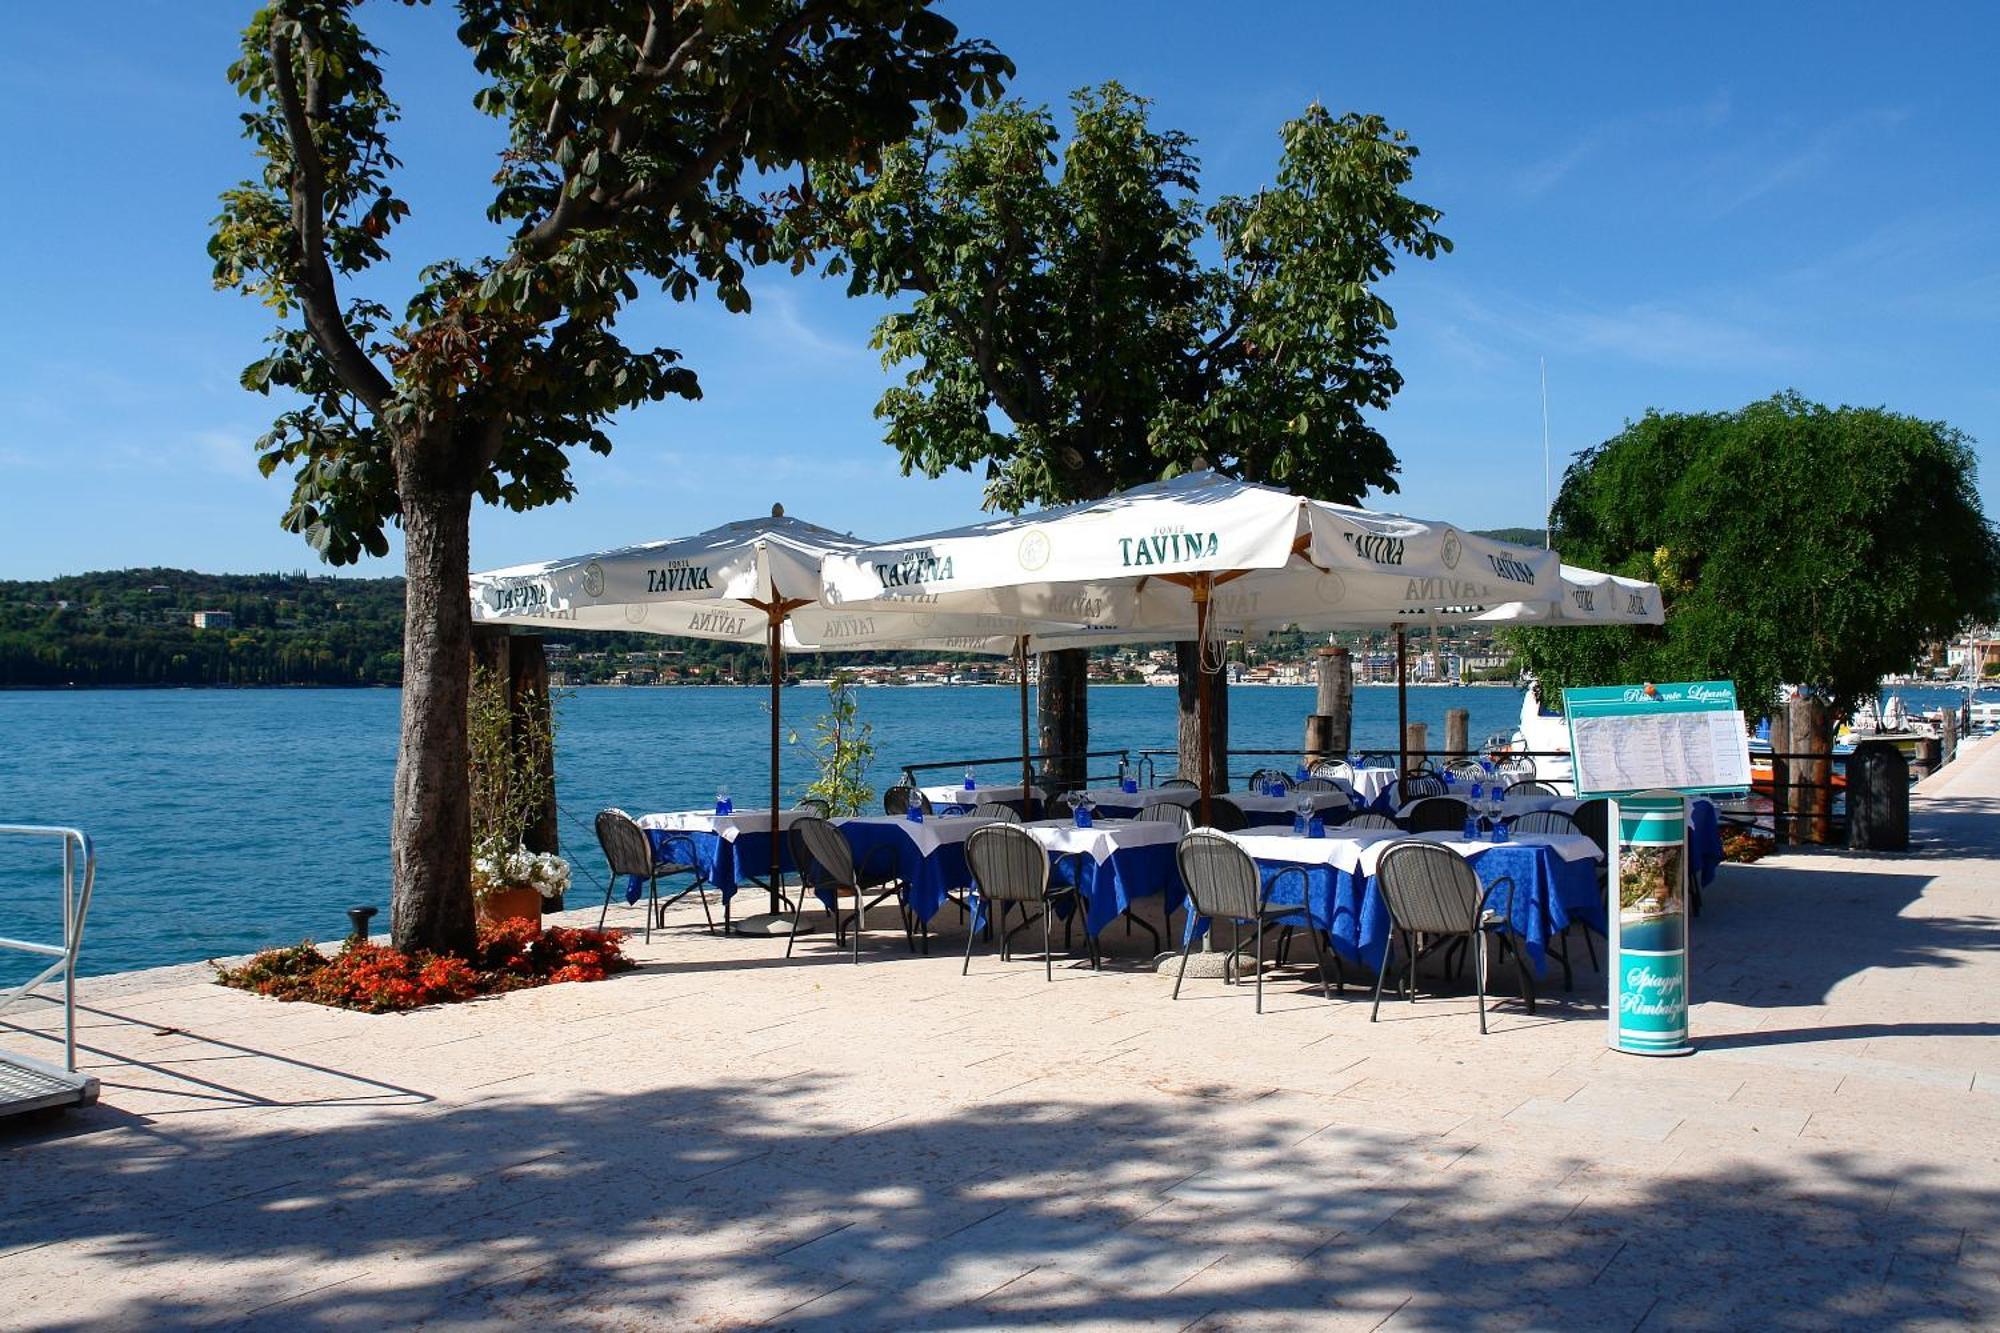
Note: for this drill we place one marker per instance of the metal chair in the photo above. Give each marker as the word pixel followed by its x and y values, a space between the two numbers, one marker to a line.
pixel 1542 821
pixel 897 800
pixel 1369 819
pixel 1180 782
pixel 629 851
pixel 1466 770
pixel 819 807
pixel 995 810
pixel 1436 814
pixel 1223 884
pixel 1258 779
pixel 1530 787
pixel 1166 812
pixel 1009 868
pixel 1432 894
pixel 1226 815
pixel 1408 789
pixel 1593 821
pixel 825 864
pixel 1336 770
pixel 1316 784
pixel 1379 759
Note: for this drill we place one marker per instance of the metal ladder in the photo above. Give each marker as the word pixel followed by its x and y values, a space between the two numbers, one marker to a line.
pixel 27 1084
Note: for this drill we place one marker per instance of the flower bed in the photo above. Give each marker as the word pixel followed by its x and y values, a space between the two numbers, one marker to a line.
pixel 511 955
pixel 1745 847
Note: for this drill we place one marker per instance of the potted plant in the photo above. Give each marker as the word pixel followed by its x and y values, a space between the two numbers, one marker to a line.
pixel 511 781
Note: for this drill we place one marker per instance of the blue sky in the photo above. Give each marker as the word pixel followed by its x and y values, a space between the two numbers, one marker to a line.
pixel 1684 207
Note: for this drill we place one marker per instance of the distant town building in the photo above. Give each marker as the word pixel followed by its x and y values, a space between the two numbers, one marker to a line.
pixel 214 620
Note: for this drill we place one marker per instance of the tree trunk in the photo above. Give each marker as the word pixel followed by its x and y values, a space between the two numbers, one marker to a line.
pixel 430 835
pixel 1812 734
pixel 1062 710
pixel 1187 658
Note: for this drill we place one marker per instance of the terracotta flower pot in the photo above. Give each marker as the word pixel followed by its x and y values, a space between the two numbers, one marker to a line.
pixel 524 903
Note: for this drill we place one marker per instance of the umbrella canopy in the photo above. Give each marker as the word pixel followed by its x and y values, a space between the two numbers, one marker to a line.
pixel 752 581
pixel 1198 553
pixel 1589 598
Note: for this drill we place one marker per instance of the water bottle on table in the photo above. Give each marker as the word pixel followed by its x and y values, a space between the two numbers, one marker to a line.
pixel 722 802
pixel 970 783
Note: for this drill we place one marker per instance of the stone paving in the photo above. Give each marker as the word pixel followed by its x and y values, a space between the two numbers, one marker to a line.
pixel 725 1138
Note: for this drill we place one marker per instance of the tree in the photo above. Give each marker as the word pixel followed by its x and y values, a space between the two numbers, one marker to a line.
pixel 1825 547
pixel 643 140
pixel 1064 337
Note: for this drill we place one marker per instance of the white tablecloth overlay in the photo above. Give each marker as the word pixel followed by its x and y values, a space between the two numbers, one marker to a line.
pixel 727 826
pixel 956 794
pixel 1144 798
pixel 1101 839
pixel 933 833
pixel 1368 783
pixel 1343 852
pixel 1569 846
pixel 1288 803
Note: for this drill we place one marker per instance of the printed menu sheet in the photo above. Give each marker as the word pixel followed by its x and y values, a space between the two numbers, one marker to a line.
pixel 1629 752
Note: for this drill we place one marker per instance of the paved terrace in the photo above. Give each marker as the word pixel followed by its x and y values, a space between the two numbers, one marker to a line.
pixel 724 1138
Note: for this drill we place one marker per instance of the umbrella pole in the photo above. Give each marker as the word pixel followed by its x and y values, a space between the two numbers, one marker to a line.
pixel 1021 666
pixel 775 652
pixel 1402 707
pixel 1206 767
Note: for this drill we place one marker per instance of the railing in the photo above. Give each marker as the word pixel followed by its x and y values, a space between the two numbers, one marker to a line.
pixel 1035 760
pixel 78 855
pixel 1140 764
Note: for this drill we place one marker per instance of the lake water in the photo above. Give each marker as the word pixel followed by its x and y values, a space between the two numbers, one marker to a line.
pixel 227 821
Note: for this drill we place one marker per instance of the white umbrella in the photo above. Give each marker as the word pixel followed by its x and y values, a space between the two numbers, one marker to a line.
pixel 755 580
pixel 1192 553
pixel 1589 598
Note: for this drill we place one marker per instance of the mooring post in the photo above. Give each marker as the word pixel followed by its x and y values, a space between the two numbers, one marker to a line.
pixel 1329 729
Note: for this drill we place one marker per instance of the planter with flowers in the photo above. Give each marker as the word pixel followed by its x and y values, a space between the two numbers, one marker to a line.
pixel 515 886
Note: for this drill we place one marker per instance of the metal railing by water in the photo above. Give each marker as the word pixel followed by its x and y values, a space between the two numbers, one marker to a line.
pixel 27 1084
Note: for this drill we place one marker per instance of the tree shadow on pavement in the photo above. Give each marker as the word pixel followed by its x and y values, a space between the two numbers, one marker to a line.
pixel 782 1202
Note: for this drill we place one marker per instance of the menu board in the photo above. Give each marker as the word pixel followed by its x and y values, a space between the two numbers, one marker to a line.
pixel 1681 737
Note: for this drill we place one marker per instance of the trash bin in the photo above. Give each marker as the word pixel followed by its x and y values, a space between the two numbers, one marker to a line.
pixel 1878 798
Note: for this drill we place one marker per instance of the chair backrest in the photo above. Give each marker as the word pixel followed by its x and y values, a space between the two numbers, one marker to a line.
pixel 1436 814
pixel 1593 821
pixel 1376 759
pixel 1256 780
pixel 897 801
pixel 1339 770
pixel 1226 815
pixel 816 805
pixel 1429 889
pixel 1426 765
pixel 823 858
pixel 1515 768
pixel 995 810
pixel 1220 877
pixel 1543 821
pixel 1316 784
pixel 1007 864
pixel 1370 819
pixel 1179 782
pixel 625 844
pixel 1466 770
pixel 1414 788
pixel 1530 787
pixel 1166 812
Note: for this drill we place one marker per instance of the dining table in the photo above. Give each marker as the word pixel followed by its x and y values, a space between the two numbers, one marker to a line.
pixel 727 850
pixel 1333 880
pixel 957 796
pixel 1259 810
pixel 1118 803
pixel 1704 824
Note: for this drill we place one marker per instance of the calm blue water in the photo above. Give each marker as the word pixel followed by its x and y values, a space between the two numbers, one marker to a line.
pixel 227 821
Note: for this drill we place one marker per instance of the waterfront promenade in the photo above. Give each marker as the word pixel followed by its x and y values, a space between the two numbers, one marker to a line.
pixel 726 1138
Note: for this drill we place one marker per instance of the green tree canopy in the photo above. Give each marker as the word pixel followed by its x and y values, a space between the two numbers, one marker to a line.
pixel 1793 543
pixel 644 142
pixel 1066 338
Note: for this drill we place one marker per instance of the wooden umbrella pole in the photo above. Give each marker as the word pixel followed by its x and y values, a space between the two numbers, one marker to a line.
pixel 1021 666
pixel 1402 708
pixel 1202 587
pixel 776 653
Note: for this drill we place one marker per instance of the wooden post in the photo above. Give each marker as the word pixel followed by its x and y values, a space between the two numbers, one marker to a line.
pixel 1457 732
pixel 1812 735
pixel 1781 774
pixel 1188 737
pixel 1415 743
pixel 1947 735
pixel 1330 728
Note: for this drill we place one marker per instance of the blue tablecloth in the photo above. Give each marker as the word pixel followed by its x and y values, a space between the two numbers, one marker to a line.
pixel 1109 887
pixel 722 862
pixel 1550 892
pixel 930 878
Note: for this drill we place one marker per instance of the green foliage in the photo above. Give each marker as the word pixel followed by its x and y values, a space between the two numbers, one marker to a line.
pixel 641 138
pixel 843 747
pixel 1064 336
pixel 1518 536
pixel 1792 543
pixel 513 765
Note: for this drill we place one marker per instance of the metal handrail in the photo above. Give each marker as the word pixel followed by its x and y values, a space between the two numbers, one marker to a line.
pixel 76 846
pixel 910 771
